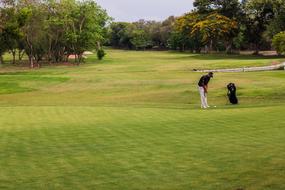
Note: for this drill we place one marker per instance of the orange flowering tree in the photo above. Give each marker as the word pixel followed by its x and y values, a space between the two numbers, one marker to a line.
pixel 214 28
pixel 184 26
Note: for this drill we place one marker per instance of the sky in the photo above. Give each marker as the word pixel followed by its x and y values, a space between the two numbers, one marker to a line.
pixel 133 10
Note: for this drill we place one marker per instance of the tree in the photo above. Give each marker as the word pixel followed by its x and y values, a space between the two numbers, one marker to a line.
pixel 259 13
pixel 166 29
pixel 49 30
pixel 14 21
pixel 277 23
pixel 216 27
pixel 56 25
pixel 34 32
pixel 179 41
pixel 203 6
pixel 228 8
pixel 278 42
pixel 3 47
pixel 120 35
pixel 184 25
pixel 146 33
pixel 155 34
pixel 153 31
pixel 9 28
pixel 85 23
pixel 140 40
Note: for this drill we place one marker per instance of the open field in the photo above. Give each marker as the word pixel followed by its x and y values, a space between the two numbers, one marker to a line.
pixel 133 121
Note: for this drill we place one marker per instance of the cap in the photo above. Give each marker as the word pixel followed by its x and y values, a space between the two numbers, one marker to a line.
pixel 211 74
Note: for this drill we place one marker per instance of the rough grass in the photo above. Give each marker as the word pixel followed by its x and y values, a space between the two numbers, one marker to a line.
pixel 133 121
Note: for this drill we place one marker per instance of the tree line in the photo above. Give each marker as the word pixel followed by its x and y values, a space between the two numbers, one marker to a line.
pixel 50 31
pixel 213 25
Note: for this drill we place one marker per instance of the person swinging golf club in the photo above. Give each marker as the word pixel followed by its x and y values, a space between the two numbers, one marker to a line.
pixel 203 89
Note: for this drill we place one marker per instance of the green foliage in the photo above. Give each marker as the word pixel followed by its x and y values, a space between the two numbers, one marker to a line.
pixel 213 25
pixel 177 41
pixel 120 35
pixel 278 42
pixel 100 53
pixel 277 24
pixel 259 13
pixel 35 34
pixel 240 40
pixel 84 27
pixel 228 8
pixel 203 6
pixel 166 29
pixel 51 31
pixel 142 34
pixel 11 34
pixel 140 40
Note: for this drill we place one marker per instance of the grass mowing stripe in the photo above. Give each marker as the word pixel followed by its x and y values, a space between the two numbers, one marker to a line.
pixel 129 148
pixel 132 121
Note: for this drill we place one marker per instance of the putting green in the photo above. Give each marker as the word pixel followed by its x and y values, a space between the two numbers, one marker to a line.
pixel 133 122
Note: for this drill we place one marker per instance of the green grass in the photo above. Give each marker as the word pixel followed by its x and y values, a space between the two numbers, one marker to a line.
pixel 133 121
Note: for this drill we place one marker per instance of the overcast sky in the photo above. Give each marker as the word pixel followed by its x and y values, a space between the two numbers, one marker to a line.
pixel 133 10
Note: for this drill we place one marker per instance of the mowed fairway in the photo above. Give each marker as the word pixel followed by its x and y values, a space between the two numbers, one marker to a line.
pixel 133 122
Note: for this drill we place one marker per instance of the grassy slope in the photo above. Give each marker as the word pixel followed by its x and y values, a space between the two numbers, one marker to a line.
pixel 132 122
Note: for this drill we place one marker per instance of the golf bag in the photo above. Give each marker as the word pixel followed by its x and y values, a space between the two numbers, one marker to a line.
pixel 232 93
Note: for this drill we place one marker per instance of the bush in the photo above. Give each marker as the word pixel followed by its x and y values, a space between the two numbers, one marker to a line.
pixel 100 54
pixel 278 42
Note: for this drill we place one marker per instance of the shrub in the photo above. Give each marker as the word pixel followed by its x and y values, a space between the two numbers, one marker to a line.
pixel 278 42
pixel 100 54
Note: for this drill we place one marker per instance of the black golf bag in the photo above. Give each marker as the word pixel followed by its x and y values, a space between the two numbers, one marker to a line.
pixel 232 93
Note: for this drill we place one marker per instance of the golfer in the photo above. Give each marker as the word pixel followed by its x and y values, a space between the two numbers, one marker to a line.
pixel 203 89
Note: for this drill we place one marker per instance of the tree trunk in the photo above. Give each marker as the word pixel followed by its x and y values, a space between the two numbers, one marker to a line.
pixel 228 47
pixel 256 52
pixel 49 56
pixel 14 56
pixel 66 59
pixel 1 60
pixel 211 46
pixel 49 51
pixel 31 56
pixel 182 48
pixel 206 49
pixel 76 59
pixel 197 50
pixel 21 54
pixel 31 59
pixel 228 50
pixel 98 45
pixel 79 58
pixel 38 63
